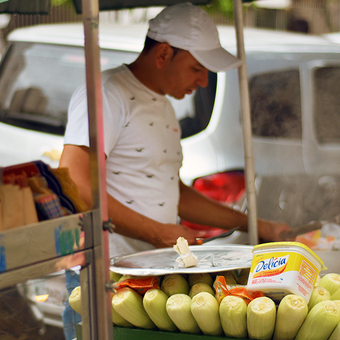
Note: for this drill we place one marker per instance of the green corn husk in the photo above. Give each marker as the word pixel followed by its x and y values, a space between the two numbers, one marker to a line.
pixel 115 277
pixel 336 295
pixel 230 277
pixel 205 309
pixel 154 302
pixel 331 282
pixel 233 315
pixel 174 284
pixel 118 320
pixel 200 287
pixel 200 278
pixel 291 313
pixel 125 277
pixel 320 321
pixel 319 294
pixel 261 315
pixel 178 307
pixel 243 276
pixel 336 333
pixel 75 299
pixel 129 305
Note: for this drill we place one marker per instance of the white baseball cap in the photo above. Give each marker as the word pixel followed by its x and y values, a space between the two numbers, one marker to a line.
pixel 190 28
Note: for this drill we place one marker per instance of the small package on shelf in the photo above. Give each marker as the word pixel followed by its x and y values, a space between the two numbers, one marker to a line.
pixel 52 193
pixel 48 206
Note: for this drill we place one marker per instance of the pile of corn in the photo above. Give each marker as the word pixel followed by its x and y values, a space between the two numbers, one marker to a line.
pixel 189 304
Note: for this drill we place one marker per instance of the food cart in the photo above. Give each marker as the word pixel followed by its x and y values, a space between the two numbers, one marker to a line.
pixel 47 244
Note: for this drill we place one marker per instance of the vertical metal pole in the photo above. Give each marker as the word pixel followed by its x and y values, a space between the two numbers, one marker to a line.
pixel 99 298
pixel 246 125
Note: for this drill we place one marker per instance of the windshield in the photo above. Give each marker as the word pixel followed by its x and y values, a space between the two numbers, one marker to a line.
pixel 37 82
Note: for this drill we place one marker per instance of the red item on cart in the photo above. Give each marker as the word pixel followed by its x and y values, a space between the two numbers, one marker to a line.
pixel 222 291
pixel 141 284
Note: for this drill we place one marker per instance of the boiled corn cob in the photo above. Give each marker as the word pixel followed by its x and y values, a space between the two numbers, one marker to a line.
pixel 129 304
pixel 336 295
pixel 320 321
pixel 75 303
pixel 261 314
pixel 174 284
pixel 331 282
pixel 124 277
pixel 115 277
pixel 178 307
pixel 319 294
pixel 336 333
pixel 243 276
pixel 75 299
pixel 200 287
pixel 233 315
pixel 200 278
pixel 291 313
pixel 230 277
pixel 154 302
pixel 205 309
pixel 118 320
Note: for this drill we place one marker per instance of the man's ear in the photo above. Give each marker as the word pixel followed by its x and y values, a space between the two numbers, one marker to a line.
pixel 163 55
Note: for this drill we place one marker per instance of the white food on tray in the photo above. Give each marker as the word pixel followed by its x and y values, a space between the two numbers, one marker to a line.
pixel 186 257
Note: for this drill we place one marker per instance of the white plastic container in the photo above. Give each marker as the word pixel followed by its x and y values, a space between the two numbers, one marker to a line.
pixel 281 268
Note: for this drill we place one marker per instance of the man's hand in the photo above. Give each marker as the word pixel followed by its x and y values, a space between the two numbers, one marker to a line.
pixel 270 231
pixel 166 235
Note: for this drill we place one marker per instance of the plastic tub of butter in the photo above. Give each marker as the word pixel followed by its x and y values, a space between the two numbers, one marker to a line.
pixel 281 268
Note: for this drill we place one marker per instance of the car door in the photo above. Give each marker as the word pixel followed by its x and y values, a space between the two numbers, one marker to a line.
pixel 321 118
pixel 311 190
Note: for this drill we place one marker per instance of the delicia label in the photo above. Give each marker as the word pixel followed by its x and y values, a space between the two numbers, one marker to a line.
pixel 271 267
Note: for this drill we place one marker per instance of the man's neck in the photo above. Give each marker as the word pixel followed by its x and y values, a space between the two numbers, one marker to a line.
pixel 145 74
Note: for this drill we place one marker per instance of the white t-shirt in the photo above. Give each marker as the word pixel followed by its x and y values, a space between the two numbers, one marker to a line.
pixel 142 145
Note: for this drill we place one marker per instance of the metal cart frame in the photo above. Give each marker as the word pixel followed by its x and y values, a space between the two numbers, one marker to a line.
pixel 42 255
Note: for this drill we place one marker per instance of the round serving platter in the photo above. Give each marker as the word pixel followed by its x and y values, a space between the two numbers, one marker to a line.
pixel 163 261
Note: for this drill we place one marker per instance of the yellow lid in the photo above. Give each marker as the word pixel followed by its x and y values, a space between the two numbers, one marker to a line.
pixel 289 244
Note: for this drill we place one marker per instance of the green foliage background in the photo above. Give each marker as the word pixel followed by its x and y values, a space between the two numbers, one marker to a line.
pixel 224 7
pixel 61 2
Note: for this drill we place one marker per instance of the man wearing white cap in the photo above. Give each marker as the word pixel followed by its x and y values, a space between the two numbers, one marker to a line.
pixel 190 28
pixel 142 136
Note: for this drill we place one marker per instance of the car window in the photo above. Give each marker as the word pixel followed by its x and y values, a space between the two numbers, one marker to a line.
pixel 195 112
pixel 276 104
pixel 37 81
pixel 327 103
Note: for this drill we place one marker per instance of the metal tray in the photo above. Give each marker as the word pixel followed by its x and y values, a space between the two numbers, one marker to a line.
pixel 211 259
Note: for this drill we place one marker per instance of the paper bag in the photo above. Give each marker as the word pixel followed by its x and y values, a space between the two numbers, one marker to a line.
pixel 12 206
pixel 17 207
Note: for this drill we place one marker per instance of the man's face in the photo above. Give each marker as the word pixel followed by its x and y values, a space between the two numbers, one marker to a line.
pixel 183 75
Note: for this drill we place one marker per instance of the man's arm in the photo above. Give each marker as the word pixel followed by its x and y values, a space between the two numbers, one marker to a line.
pixel 197 208
pixel 127 222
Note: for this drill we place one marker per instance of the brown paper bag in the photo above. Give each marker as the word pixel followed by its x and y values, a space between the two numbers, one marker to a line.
pixel 17 207
pixel 12 206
